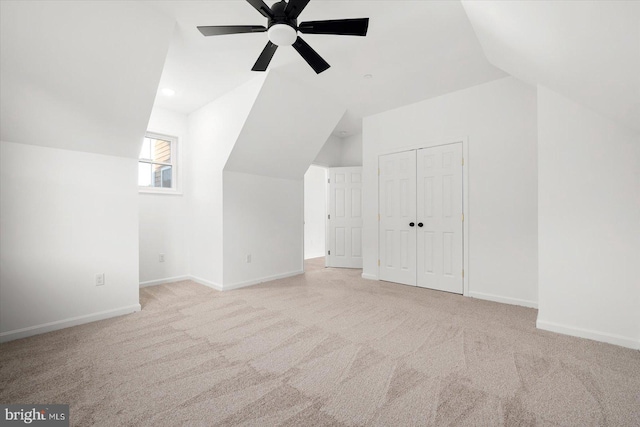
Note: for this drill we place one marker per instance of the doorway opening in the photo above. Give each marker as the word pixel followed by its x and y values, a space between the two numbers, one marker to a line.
pixel 315 214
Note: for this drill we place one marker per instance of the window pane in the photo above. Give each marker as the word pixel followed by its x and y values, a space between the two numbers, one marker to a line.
pixel 155 168
pixel 162 176
pixel 144 174
pixel 145 152
pixel 166 174
pixel 161 151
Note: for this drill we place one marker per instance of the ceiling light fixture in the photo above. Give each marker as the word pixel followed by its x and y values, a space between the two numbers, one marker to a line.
pixel 368 76
pixel 282 34
pixel 168 92
pixel 283 28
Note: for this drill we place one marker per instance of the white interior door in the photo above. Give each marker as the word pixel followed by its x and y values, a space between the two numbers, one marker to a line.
pixel 344 223
pixel 439 215
pixel 397 183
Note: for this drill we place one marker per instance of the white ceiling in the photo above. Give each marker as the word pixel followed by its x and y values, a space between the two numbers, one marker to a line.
pixel 76 65
pixel 588 51
pixel 70 73
pixel 414 49
pixel 264 149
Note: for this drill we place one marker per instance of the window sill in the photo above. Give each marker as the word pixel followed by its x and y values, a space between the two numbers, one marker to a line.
pixel 159 191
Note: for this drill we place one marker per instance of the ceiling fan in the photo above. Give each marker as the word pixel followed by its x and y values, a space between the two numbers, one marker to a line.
pixel 283 30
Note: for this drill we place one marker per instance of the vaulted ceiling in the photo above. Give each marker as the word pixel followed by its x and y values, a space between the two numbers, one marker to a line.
pixel 414 50
pixel 588 51
pixel 71 73
pixel 93 68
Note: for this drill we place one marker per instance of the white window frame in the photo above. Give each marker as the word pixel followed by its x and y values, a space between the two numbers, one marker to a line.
pixel 176 169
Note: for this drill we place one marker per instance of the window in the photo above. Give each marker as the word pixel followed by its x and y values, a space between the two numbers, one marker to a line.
pixel 157 165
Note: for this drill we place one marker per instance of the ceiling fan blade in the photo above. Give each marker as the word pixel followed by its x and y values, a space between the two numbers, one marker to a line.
pixel 344 27
pixel 261 7
pixel 265 57
pixel 219 30
pixel 295 8
pixel 311 56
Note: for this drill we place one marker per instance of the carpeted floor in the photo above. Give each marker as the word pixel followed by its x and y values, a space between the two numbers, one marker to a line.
pixel 324 348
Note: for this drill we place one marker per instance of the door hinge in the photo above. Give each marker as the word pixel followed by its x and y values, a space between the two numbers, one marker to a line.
pixel 329 252
pixel 463 161
pixel 378 263
pixel 328 216
pixel 463 274
pixel 328 180
pixel 462 217
pixel 378 171
pixel 378 217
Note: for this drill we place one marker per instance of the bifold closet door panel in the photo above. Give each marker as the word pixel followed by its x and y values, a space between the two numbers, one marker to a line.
pixel 397 208
pixel 439 211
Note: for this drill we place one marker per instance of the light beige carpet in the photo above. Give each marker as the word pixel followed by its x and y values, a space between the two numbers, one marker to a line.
pixel 325 348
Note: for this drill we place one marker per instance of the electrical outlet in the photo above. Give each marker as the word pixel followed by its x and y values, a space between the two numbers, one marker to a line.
pixel 99 279
pixel 161 257
pixel 248 258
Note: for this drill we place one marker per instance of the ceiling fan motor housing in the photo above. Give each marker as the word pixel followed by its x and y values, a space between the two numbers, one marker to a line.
pixel 282 29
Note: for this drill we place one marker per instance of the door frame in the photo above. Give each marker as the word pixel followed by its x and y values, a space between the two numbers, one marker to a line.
pixel 465 197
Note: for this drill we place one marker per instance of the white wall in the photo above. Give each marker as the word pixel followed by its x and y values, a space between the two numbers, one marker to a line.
pixel 588 223
pixel 64 217
pixel 330 155
pixel 262 218
pixel 288 125
pixel 68 215
pixel 340 152
pixel 164 217
pixel 213 131
pixel 499 119
pixel 263 180
pixel 351 153
pixel 315 211
pixel 263 191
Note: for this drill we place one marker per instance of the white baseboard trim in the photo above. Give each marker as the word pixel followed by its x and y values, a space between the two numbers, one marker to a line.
pixel 163 281
pixel 66 323
pixel 219 287
pixel 504 300
pixel 589 334
pixel 369 276
pixel 313 256
pixel 207 283
pixel 261 280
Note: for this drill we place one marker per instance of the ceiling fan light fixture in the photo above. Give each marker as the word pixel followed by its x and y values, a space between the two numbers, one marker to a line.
pixel 282 20
pixel 282 35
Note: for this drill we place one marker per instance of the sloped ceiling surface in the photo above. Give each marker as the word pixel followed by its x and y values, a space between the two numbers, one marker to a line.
pixel 286 128
pixel 414 50
pixel 586 50
pixel 80 75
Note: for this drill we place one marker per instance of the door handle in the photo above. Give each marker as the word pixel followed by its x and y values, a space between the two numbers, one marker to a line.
pixel 420 224
pixel 411 224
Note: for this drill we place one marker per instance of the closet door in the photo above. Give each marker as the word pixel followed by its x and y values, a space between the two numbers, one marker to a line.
pixel 439 218
pixel 397 207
